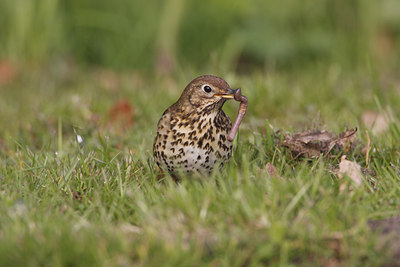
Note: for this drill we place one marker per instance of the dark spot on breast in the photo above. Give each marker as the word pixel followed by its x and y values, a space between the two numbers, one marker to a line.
pixel 192 134
pixel 199 125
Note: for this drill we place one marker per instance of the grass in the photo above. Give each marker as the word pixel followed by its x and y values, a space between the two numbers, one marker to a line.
pixel 154 34
pixel 99 202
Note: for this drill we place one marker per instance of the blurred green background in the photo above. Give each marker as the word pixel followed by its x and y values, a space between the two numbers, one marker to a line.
pixel 228 35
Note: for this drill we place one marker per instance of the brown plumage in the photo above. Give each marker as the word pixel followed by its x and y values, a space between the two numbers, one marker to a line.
pixel 192 133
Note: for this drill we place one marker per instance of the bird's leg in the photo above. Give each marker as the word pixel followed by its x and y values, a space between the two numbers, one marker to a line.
pixel 242 111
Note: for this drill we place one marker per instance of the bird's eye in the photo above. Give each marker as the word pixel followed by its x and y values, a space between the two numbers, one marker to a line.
pixel 207 88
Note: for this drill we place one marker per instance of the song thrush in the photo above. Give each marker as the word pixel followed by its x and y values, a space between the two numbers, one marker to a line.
pixel 192 134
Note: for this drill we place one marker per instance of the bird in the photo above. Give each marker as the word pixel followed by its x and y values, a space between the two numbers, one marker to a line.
pixel 192 134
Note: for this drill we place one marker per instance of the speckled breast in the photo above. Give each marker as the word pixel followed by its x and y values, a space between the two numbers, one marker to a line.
pixel 193 143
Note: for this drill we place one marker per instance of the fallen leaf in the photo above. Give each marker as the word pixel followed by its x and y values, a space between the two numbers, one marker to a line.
pixel 121 115
pixel 344 140
pixel 377 122
pixel 312 144
pixel 8 72
pixel 271 169
pixel 351 169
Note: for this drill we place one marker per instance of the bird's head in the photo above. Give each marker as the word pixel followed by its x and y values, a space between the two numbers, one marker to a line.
pixel 206 93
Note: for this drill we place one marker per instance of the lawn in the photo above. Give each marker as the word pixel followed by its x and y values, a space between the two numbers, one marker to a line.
pixel 79 186
pixel 84 83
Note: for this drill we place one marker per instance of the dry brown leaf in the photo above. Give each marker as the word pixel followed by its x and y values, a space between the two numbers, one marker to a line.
pixel 344 140
pixel 8 71
pixel 314 144
pixel 351 169
pixel 121 115
pixel 271 169
pixel 377 122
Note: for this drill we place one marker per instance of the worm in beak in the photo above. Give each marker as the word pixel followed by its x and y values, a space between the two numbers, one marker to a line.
pixel 242 111
pixel 229 95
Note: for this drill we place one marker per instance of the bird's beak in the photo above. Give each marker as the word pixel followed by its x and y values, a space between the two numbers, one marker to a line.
pixel 229 95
